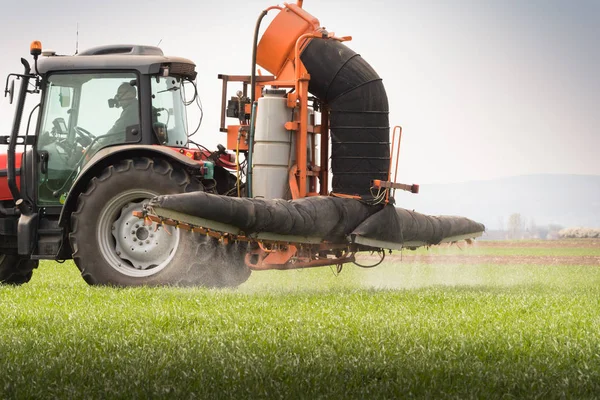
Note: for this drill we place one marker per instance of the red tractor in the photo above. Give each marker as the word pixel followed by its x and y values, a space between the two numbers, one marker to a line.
pixel 109 131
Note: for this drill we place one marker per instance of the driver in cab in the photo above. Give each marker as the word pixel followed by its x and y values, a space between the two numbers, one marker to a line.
pixel 126 98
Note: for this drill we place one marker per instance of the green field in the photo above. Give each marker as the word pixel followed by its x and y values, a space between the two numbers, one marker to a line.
pixel 404 329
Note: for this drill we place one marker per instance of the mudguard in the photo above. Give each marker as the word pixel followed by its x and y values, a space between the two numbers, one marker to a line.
pixel 110 155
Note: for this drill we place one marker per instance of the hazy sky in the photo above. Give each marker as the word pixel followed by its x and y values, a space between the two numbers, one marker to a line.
pixel 483 89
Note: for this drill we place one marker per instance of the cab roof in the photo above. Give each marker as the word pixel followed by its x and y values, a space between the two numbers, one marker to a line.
pixel 145 59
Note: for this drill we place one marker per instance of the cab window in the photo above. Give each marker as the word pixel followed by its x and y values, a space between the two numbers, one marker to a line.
pixel 82 113
pixel 168 111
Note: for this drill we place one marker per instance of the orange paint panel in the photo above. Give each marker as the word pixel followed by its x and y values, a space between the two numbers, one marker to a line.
pixel 232 137
pixel 279 39
pixel 280 257
pixel 293 183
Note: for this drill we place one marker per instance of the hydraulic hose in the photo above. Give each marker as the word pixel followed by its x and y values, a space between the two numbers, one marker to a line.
pixel 250 149
pixel 254 50
pixel 253 93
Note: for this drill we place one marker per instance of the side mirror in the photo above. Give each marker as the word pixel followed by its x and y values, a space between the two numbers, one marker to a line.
pixel 10 92
pixel 65 97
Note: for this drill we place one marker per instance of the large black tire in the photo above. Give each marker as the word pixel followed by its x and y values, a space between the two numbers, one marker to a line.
pixel 16 270
pixel 112 247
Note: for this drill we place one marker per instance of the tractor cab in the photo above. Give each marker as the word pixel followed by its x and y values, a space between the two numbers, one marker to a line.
pixel 106 96
pixel 107 108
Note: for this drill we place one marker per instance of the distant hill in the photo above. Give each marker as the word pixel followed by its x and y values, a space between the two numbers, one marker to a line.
pixel 566 200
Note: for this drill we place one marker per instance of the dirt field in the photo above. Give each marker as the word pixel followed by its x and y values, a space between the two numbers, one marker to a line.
pixel 498 260
pixel 512 259
pixel 550 244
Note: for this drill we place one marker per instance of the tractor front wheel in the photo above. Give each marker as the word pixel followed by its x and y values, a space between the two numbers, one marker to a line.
pixel 113 247
pixel 16 270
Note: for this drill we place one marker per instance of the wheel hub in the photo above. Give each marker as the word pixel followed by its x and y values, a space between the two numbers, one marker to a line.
pixel 143 246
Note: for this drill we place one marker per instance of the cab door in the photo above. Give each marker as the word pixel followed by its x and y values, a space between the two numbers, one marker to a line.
pixel 82 114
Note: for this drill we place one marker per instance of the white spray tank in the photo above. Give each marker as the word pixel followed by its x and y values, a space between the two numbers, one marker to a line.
pixel 273 146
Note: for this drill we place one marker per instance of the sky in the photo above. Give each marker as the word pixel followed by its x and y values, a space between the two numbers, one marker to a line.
pixel 482 89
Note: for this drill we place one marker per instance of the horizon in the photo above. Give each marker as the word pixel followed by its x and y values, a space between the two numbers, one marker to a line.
pixel 507 177
pixel 567 200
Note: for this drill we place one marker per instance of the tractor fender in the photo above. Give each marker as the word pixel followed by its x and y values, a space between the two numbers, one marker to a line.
pixel 110 155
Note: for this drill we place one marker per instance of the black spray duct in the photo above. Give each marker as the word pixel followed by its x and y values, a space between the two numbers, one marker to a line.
pixel 359 123
pixel 325 217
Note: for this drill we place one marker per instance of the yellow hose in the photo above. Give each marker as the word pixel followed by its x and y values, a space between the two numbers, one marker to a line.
pixel 237 164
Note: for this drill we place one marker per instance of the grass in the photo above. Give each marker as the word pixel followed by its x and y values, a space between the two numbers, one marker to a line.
pixel 399 330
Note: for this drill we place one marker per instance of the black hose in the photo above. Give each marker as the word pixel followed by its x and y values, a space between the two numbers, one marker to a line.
pixel 253 98
pixel 250 147
pixel 254 50
pixel 359 122
pixel 382 257
pixel 24 161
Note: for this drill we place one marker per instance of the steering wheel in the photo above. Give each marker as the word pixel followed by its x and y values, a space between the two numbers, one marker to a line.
pixel 84 135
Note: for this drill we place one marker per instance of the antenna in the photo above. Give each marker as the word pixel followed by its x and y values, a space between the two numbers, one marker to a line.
pixel 159 42
pixel 77 40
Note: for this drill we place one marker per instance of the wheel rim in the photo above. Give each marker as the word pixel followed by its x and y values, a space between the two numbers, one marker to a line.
pixel 127 244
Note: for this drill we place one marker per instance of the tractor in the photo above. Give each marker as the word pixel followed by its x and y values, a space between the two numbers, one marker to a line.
pixel 109 131
pixel 106 173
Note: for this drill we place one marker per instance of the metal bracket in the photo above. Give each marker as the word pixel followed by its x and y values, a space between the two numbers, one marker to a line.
pixel 23 140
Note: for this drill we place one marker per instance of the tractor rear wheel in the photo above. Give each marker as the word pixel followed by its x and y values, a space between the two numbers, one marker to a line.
pixel 16 270
pixel 113 247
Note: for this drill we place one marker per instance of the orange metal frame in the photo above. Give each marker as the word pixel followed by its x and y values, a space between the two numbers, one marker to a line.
pixel 289 256
pixel 289 33
pixel 305 182
pixel 279 52
pixel 391 184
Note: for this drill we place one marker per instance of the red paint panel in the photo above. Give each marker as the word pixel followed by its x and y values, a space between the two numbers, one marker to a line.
pixel 4 191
